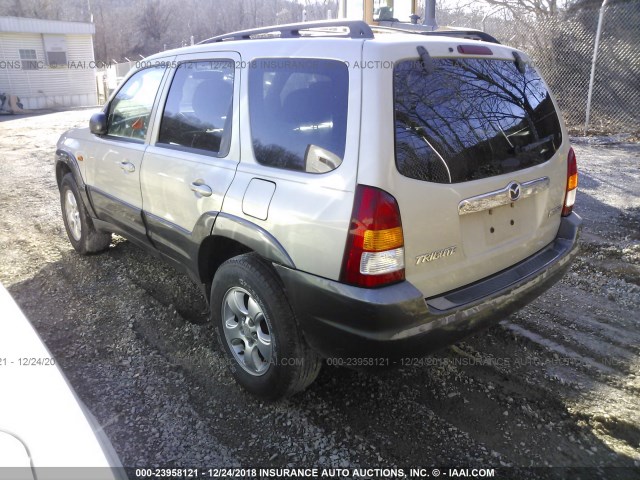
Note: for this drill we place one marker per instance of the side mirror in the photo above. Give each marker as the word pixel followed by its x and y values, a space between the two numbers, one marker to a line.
pixel 98 123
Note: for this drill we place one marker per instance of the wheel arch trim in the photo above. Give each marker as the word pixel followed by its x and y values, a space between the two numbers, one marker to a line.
pixel 253 237
pixel 69 160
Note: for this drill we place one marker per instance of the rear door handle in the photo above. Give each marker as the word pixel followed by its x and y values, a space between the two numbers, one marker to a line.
pixel 201 188
pixel 128 167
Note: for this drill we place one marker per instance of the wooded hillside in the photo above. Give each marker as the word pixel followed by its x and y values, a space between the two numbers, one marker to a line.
pixel 129 28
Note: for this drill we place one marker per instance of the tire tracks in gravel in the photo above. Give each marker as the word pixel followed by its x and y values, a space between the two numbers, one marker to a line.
pixel 257 433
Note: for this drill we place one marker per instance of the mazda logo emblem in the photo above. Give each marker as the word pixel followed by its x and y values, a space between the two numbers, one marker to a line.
pixel 514 191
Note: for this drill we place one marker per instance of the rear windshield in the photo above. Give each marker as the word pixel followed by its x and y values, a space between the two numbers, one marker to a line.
pixel 469 119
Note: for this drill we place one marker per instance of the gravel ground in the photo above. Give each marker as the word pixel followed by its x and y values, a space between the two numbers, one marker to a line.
pixel 556 384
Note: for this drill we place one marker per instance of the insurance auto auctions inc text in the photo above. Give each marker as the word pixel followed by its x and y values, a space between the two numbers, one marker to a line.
pixel 374 473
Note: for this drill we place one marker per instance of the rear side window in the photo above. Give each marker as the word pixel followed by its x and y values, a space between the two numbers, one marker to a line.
pixel 198 113
pixel 298 113
pixel 470 119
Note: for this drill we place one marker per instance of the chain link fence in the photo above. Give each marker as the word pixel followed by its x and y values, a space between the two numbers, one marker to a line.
pixel 563 47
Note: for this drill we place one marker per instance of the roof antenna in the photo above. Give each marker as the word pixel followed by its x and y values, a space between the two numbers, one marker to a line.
pixel 425 59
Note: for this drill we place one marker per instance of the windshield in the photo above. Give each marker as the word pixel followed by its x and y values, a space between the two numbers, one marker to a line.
pixel 471 118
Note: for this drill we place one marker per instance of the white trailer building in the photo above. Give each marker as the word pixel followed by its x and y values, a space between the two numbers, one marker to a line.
pixel 47 63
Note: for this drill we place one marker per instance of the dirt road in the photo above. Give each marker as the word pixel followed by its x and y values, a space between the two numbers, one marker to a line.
pixel 557 384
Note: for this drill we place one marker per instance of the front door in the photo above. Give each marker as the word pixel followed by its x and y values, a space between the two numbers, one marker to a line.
pixel 115 161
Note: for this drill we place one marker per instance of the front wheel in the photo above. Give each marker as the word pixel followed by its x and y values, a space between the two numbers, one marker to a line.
pixel 82 234
pixel 257 330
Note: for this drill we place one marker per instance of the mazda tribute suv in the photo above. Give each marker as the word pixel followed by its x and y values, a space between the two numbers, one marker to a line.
pixel 339 191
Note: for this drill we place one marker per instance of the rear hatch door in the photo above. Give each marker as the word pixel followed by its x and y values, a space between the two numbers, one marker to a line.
pixel 478 166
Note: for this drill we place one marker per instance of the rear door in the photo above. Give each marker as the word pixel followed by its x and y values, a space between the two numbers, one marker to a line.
pixel 193 155
pixel 478 165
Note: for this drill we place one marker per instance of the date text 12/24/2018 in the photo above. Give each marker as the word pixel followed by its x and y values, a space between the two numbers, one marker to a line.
pixel 333 473
pixel 28 362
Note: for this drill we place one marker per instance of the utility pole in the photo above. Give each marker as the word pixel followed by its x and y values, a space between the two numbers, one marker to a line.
pixel 593 67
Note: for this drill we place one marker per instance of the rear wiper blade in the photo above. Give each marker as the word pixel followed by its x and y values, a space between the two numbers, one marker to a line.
pixel 425 59
pixel 534 145
pixel 520 65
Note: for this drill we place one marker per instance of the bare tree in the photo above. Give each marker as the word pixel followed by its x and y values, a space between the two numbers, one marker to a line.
pixel 153 23
pixel 539 8
pixel 128 28
pixel 49 9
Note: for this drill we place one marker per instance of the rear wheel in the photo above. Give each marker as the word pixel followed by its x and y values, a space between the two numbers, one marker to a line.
pixel 257 330
pixel 80 229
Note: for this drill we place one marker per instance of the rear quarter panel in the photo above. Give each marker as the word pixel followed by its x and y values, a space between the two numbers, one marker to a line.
pixel 309 214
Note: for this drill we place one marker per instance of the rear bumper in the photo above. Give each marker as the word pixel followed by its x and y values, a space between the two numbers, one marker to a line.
pixel 397 321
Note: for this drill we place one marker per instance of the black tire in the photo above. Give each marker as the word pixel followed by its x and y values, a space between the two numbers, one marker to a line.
pixel 80 229
pixel 292 365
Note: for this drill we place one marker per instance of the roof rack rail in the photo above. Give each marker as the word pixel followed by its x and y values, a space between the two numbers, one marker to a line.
pixel 468 34
pixel 356 29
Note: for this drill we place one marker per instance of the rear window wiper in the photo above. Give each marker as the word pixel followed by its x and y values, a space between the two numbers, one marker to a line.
pixel 534 145
pixel 425 59
pixel 520 65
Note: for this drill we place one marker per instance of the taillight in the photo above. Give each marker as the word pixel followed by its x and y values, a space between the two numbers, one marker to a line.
pixel 374 254
pixel 572 183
